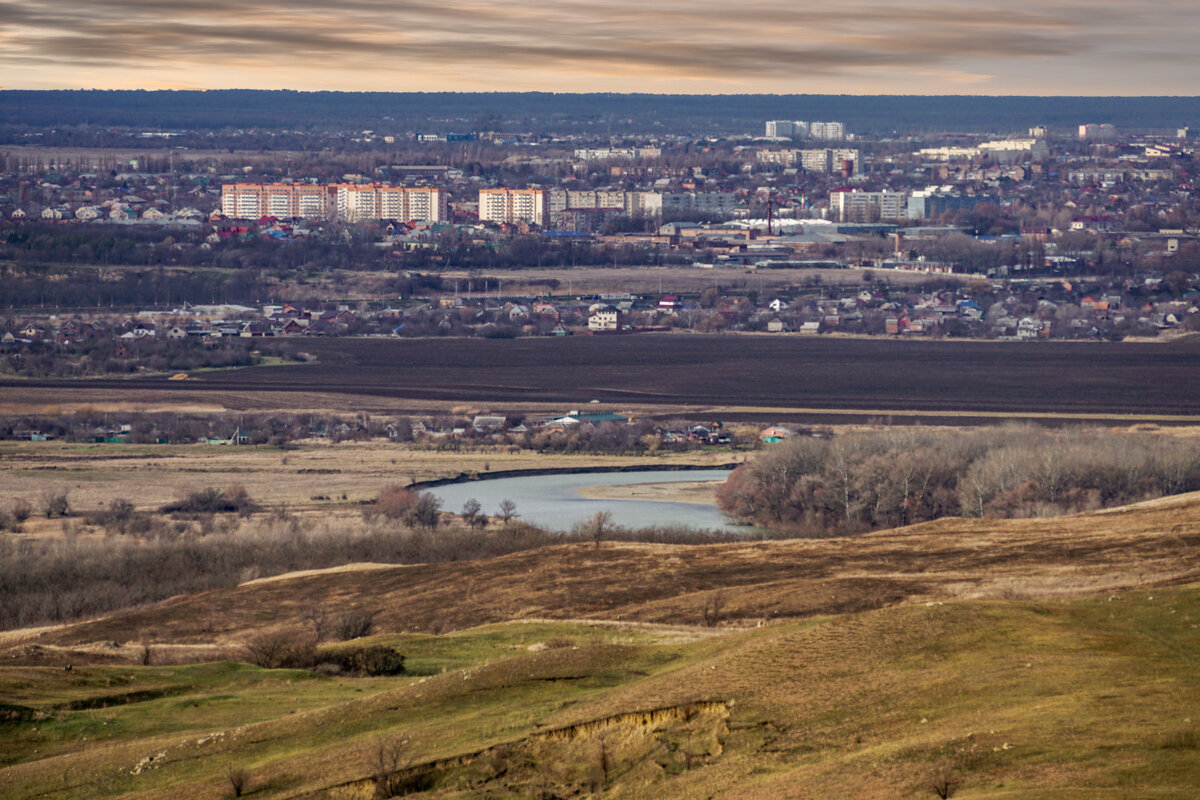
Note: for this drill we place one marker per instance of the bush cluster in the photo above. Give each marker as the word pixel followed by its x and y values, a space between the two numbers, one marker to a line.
pixel 415 509
pixel 234 499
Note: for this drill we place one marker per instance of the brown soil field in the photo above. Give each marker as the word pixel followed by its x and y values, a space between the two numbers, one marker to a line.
pixel 942 380
pixel 1138 546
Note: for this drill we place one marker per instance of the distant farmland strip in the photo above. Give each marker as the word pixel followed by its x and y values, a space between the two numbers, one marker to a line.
pixel 853 376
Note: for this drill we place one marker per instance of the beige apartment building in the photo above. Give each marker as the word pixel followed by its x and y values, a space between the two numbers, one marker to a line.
pixel 511 205
pixel 283 200
pixel 349 201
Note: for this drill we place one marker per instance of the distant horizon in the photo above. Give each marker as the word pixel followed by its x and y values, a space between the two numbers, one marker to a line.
pixel 595 113
pixel 974 95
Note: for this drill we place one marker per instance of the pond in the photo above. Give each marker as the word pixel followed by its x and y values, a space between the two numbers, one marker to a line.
pixel 556 501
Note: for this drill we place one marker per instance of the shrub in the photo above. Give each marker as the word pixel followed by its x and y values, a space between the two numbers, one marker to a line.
pixel 354 625
pixel 21 511
pixel 55 504
pixel 121 517
pixel 214 501
pixel 414 509
pixel 375 660
pixel 282 650
pixel 395 501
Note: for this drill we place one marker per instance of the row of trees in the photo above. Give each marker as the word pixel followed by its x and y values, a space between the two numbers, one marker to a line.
pixel 867 481
pixel 105 355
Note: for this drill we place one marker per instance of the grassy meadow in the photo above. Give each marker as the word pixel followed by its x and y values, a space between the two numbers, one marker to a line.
pixel 1074 698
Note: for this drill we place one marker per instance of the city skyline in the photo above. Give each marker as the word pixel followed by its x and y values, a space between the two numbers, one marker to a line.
pixel 1060 47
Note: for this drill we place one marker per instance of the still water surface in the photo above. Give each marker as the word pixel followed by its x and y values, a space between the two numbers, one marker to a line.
pixel 554 501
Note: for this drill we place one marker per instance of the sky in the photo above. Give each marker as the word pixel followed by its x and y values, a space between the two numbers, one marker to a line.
pixel 1021 47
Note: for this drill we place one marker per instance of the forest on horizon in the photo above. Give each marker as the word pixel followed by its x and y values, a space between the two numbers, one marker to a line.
pixel 599 114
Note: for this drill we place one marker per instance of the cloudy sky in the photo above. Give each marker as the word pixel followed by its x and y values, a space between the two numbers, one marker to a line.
pixel 1098 47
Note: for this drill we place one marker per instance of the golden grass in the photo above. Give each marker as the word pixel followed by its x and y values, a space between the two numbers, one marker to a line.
pixel 1061 698
pixel 315 475
pixel 758 581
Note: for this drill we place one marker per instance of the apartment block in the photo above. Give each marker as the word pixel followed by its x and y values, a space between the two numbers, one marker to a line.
pixel 596 199
pixel 779 129
pixel 366 202
pixel 1008 149
pixel 853 205
pixel 799 129
pixel 1097 132
pixel 935 201
pixel 711 203
pixel 617 153
pixel 348 201
pixel 502 205
pixel 644 204
pixel 821 161
pixel 282 200
pixel 828 131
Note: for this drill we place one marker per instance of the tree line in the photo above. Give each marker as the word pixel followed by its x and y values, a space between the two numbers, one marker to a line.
pixel 867 481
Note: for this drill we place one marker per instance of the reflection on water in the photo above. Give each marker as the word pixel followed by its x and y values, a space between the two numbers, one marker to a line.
pixel 554 501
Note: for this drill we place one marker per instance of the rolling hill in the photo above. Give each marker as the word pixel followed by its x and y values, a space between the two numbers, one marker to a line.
pixel 998 659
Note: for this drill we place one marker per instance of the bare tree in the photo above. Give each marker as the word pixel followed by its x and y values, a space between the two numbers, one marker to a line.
pixel 508 510
pixel 318 618
pixel 388 761
pixel 714 604
pixel 238 778
pixel 471 513
pixel 942 780
pixel 597 525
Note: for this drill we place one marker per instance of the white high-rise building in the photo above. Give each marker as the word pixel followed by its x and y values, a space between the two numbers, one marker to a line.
pixel 364 202
pixel 502 205
pixel 799 129
pixel 858 206
pixel 827 131
pixel 1097 133
pixel 780 129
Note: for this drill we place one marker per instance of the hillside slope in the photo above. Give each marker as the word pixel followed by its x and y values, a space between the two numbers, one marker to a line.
pixel 1156 542
pixel 989 659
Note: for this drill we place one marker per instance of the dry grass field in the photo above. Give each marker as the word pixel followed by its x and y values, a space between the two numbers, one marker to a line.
pixel 1156 543
pixel 317 475
pixel 1021 659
